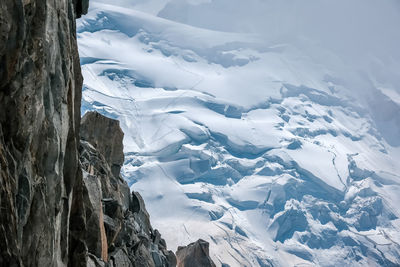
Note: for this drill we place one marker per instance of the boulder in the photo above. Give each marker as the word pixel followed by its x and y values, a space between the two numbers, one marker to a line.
pixel 195 254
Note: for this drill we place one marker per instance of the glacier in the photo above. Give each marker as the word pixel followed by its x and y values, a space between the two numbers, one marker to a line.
pixel 269 128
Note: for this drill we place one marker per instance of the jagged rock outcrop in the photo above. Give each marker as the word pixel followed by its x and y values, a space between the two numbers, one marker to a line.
pixel 59 207
pixel 40 98
pixel 195 254
pixel 117 225
pixel 106 135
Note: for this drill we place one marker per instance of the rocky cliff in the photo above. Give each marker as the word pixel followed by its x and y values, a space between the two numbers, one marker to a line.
pixel 40 96
pixel 114 225
pixel 62 200
pixel 60 207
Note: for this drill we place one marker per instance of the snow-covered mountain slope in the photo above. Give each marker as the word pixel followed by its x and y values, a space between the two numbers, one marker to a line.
pixel 280 146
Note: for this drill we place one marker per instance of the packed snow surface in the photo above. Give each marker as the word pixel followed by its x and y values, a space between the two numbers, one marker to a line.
pixel 269 128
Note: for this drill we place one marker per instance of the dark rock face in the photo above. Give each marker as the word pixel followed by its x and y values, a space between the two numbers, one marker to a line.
pixel 59 207
pixel 40 97
pixel 117 225
pixel 106 136
pixel 195 254
pixel 81 7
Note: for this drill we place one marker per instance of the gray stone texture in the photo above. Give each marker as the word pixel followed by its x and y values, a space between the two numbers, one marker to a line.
pixel 59 207
pixel 40 98
pixel 195 254
pixel 130 239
